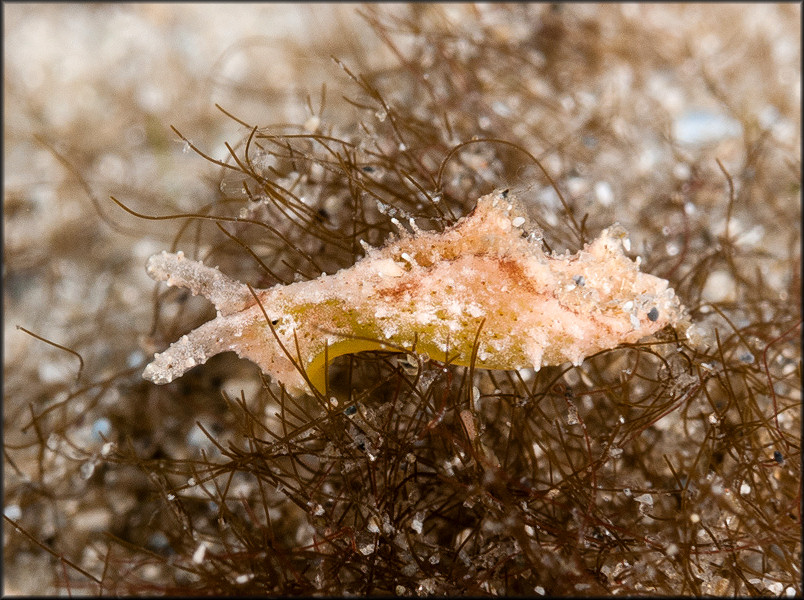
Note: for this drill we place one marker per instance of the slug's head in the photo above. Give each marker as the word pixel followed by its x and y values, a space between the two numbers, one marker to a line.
pixel 648 301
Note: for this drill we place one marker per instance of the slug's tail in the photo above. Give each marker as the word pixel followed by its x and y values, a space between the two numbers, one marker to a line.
pixel 190 350
pixel 228 296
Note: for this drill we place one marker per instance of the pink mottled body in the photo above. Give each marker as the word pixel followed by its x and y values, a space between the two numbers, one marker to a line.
pixel 436 293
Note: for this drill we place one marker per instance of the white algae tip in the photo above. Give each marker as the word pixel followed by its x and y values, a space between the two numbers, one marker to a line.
pixel 479 280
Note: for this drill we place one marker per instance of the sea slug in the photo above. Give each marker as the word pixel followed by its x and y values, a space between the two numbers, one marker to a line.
pixel 482 285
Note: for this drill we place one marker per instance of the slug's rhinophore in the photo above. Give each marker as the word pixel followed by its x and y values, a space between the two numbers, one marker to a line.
pixel 481 281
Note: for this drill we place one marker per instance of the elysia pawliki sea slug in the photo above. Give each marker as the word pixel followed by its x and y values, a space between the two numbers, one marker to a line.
pixel 482 281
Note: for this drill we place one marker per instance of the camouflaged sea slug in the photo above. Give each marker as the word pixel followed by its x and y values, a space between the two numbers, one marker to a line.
pixel 482 280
